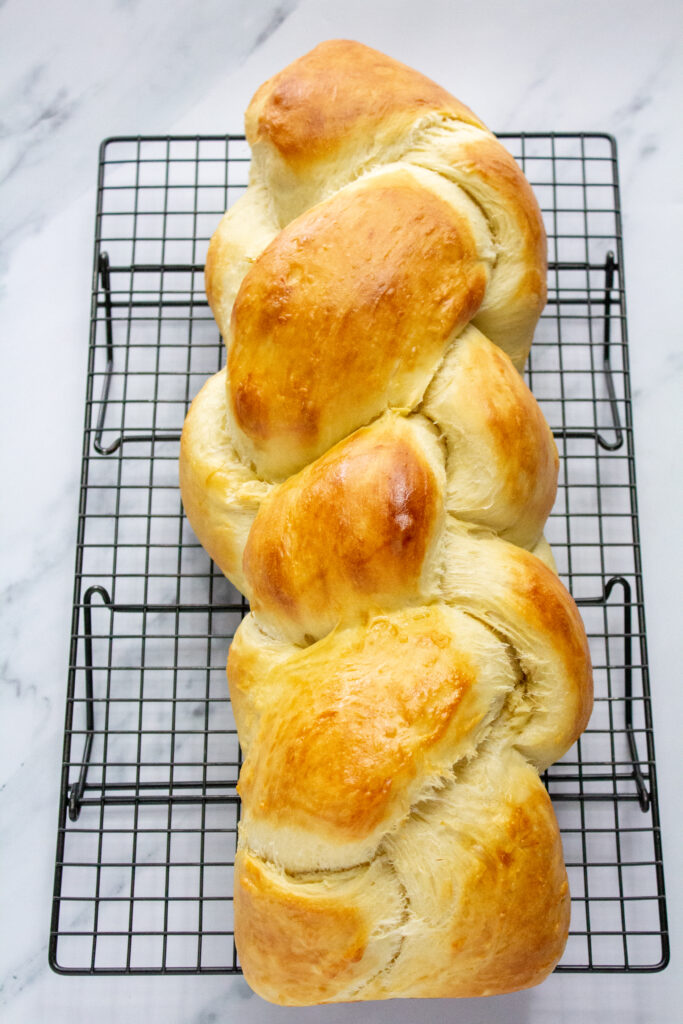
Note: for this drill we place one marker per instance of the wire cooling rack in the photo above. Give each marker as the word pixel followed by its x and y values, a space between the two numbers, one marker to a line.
pixel 148 810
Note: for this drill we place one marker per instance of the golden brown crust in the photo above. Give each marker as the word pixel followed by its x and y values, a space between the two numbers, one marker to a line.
pixel 526 876
pixel 548 609
pixel 309 109
pixel 242 235
pixel 477 163
pixel 351 532
pixel 523 600
pixel 307 940
pixel 338 761
pixel 327 763
pixel 285 935
pixel 221 495
pixel 478 869
pixel 407 668
pixel 502 458
pixel 347 311
pixel 495 169
pixel 490 887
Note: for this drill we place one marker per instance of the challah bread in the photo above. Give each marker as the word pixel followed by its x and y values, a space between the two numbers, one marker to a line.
pixel 371 471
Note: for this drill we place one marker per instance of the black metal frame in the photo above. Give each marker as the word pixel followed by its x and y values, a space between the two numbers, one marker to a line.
pixel 148 809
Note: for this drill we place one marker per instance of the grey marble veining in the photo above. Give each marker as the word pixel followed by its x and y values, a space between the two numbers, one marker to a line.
pixel 74 73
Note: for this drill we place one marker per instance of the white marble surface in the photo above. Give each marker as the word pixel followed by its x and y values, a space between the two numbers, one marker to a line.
pixel 74 72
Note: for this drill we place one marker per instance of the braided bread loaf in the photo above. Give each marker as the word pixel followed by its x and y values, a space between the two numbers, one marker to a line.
pixel 373 474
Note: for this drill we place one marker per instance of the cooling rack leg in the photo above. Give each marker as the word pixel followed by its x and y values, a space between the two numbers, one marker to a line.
pixel 78 788
pixel 105 278
pixel 610 266
pixel 643 794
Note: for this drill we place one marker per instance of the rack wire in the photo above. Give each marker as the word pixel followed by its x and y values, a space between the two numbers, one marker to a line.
pixel 148 807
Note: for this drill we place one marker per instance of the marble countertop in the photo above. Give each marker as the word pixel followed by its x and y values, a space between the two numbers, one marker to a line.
pixel 74 73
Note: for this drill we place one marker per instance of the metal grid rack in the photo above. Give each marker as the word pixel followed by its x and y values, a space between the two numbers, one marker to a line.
pixel 148 810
